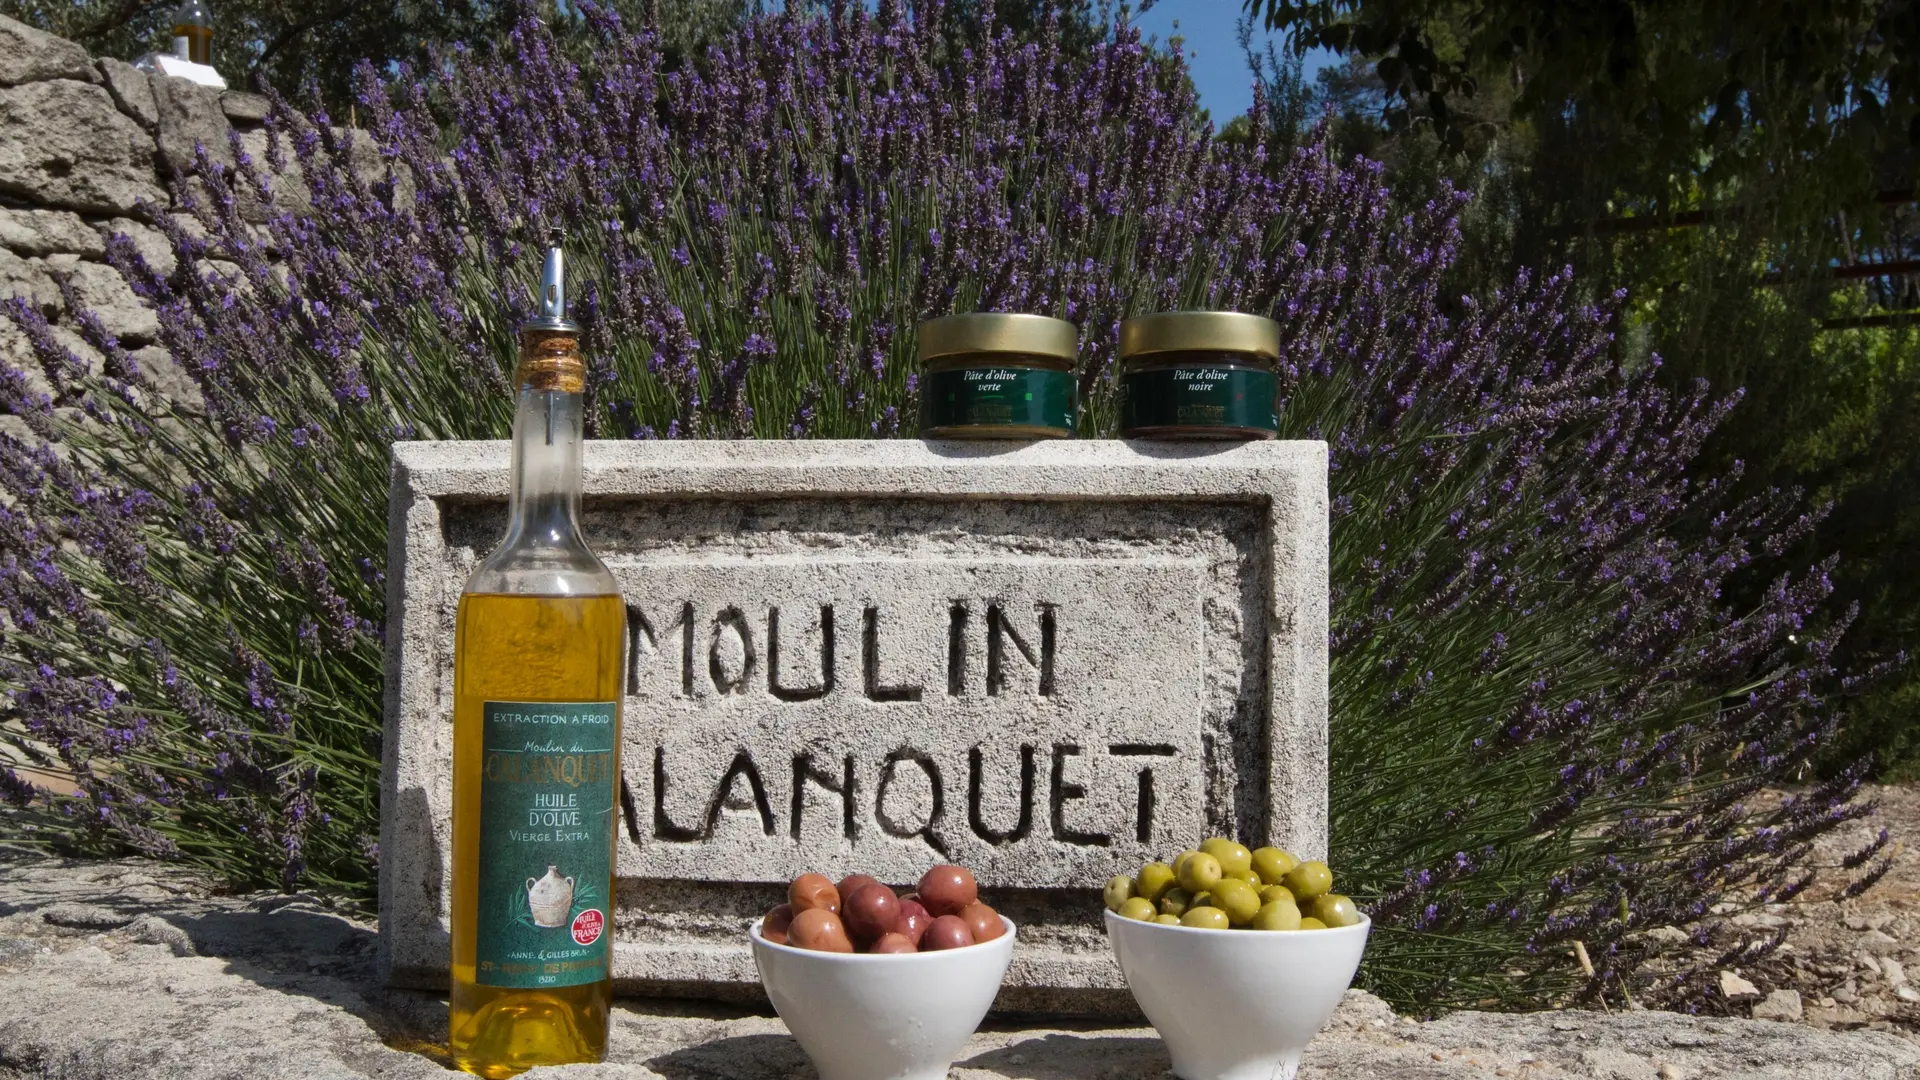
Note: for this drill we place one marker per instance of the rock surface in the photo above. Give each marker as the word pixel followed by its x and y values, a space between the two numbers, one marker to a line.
pixel 29 55
pixel 49 232
pixel 133 969
pixel 190 116
pixel 27 279
pixel 1779 1005
pixel 89 148
pixel 242 106
pixel 101 290
pixel 1847 958
pixel 66 145
pixel 132 90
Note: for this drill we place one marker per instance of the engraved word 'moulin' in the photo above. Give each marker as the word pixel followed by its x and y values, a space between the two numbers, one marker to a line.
pixel 736 649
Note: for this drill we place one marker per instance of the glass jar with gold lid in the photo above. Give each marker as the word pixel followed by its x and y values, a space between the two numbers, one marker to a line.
pixel 998 376
pixel 1199 375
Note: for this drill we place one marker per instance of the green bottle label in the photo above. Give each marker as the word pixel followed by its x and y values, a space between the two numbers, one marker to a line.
pixel 998 397
pixel 546 843
pixel 1199 396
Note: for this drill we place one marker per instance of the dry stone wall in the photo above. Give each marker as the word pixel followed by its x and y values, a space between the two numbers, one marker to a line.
pixel 88 148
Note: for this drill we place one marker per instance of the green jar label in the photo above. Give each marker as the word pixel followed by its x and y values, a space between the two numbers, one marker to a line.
pixel 1199 396
pixel 998 397
pixel 546 843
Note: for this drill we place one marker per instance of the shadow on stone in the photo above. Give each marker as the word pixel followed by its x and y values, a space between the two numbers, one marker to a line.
pixel 1183 449
pixel 961 449
pixel 417 949
pixel 292 946
pixel 1067 1056
pixel 742 1057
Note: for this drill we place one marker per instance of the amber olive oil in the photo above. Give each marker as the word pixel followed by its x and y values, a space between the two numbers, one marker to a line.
pixel 538 659
pixel 193 32
pixel 505 649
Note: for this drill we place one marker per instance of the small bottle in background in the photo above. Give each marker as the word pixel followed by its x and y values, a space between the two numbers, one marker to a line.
pixel 193 32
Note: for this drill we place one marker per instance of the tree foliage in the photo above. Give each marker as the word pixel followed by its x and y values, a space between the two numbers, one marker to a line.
pixel 290 45
pixel 1676 85
pixel 1745 171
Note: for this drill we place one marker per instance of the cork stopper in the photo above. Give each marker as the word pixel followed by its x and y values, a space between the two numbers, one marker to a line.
pixel 550 342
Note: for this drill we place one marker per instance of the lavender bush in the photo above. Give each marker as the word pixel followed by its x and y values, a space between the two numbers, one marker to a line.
pixel 1547 726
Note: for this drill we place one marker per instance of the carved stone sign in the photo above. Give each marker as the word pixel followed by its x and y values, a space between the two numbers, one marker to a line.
pixel 1046 662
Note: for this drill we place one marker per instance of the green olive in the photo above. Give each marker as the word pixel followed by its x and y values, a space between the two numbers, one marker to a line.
pixel 1250 877
pixel 1334 910
pixel 1138 908
pixel 1119 890
pixel 1154 881
pixel 1237 899
pixel 1272 864
pixel 1180 859
pixel 1206 918
pixel 1176 901
pixel 1204 899
pixel 1167 920
pixel 1312 924
pixel 1277 892
pixel 1234 858
pixel 1309 879
pixel 1199 871
pixel 1277 915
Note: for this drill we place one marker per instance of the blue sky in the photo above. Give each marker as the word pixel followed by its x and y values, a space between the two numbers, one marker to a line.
pixel 1219 70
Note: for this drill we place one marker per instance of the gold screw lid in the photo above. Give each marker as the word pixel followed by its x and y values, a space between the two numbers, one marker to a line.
pixel 1200 331
pixel 1031 335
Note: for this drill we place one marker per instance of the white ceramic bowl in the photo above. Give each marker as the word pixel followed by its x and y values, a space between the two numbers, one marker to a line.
pixel 1236 1004
pixel 899 1017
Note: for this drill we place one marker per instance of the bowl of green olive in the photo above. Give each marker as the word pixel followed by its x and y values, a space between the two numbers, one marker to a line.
pixel 1238 957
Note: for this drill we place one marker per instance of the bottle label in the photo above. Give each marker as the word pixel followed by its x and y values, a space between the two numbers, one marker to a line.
pixel 998 397
pixel 546 843
pixel 182 47
pixel 1199 397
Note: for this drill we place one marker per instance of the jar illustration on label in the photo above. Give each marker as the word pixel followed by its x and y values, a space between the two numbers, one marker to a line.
pixel 551 898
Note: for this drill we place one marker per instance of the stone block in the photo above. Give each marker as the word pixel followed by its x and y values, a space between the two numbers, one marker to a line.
pixel 49 232
pixel 150 242
pixel 1782 1005
pixel 1048 662
pixel 132 90
pixel 28 278
pixel 169 378
pixel 242 107
pixel 1735 988
pixel 189 116
pixel 30 55
pixel 101 290
pixel 64 145
pixel 82 359
pixel 17 353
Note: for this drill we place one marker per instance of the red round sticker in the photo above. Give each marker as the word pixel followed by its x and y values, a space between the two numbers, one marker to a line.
pixel 586 926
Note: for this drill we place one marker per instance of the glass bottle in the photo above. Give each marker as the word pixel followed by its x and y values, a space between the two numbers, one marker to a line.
pixel 538 658
pixel 193 32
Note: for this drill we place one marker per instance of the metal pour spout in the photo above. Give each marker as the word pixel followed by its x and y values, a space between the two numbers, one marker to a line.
pixel 553 291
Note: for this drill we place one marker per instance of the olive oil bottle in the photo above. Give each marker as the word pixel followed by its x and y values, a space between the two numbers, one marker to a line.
pixel 193 32
pixel 538 658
